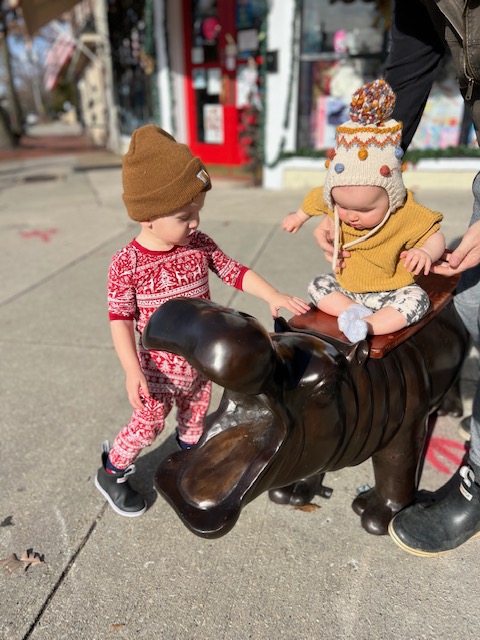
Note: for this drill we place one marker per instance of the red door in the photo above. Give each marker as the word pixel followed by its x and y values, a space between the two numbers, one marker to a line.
pixel 210 60
pixel 222 39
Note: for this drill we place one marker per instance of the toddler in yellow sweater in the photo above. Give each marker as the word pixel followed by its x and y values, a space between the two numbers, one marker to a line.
pixel 390 238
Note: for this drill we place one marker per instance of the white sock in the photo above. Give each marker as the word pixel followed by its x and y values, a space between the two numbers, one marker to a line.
pixel 355 312
pixel 356 330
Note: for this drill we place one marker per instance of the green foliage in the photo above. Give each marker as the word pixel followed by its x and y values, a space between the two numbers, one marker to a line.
pixel 65 91
pixel 413 156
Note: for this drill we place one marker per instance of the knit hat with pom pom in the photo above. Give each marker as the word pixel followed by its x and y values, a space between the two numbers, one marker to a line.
pixel 159 174
pixel 367 150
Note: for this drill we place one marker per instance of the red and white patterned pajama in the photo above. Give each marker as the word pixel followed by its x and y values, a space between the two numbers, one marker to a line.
pixel 139 282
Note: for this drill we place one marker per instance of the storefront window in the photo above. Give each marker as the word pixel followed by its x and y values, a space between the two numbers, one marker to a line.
pixel 133 62
pixel 341 49
pixel 444 123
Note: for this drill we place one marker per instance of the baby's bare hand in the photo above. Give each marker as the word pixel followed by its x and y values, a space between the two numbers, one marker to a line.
pixel 292 222
pixel 416 261
pixel 137 390
pixel 296 305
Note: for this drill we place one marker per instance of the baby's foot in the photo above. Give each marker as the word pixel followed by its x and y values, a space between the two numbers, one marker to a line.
pixel 355 312
pixel 356 330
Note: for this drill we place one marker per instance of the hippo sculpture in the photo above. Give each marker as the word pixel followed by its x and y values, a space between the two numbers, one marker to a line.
pixel 296 405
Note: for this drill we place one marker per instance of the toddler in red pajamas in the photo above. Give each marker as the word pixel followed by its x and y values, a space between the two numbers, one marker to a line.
pixel 164 190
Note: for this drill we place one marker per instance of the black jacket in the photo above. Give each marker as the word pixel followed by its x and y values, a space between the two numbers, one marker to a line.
pixel 421 30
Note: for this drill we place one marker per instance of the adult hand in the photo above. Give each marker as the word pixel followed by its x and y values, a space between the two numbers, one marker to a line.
pixel 324 234
pixel 465 256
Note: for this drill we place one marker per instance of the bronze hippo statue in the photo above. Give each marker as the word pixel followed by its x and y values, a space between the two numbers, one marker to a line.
pixel 296 405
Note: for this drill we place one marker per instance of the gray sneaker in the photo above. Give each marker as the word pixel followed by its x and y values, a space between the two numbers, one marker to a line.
pixel 116 489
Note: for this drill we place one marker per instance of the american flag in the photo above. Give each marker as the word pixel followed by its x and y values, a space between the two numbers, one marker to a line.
pixel 57 57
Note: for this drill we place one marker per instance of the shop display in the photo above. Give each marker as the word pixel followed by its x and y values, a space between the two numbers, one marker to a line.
pixel 340 52
pixel 133 62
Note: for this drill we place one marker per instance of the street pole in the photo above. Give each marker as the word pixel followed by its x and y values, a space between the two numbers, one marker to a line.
pixel 34 79
pixel 16 119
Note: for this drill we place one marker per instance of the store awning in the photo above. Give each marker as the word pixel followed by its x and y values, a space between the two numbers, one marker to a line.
pixel 38 13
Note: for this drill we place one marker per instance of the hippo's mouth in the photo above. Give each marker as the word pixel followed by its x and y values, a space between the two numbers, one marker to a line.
pixel 208 486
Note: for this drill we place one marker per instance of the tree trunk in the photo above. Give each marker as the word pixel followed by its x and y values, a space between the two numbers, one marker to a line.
pixel 7 139
pixel 15 121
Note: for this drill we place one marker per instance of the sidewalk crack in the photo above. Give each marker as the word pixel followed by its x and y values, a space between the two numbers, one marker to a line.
pixel 65 572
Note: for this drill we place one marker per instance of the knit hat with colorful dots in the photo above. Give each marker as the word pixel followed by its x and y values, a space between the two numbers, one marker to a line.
pixel 159 174
pixel 367 150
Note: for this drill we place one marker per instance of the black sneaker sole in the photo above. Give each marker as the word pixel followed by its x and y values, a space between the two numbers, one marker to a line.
pixel 127 514
pixel 464 434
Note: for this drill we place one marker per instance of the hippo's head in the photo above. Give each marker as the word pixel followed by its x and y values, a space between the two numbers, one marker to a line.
pixel 230 348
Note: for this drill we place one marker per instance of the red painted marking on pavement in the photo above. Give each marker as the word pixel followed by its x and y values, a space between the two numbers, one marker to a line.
pixel 442 448
pixel 44 234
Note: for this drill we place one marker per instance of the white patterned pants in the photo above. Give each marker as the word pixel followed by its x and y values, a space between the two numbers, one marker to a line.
pixel 411 301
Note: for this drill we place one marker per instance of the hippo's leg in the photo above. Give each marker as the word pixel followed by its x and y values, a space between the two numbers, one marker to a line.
pixel 302 492
pixel 395 468
pixel 452 404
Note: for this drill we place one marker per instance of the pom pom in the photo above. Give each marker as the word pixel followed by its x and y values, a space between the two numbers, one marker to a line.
pixel 385 171
pixel 398 152
pixel 327 163
pixel 373 103
pixel 331 154
pixel 363 154
pixel 339 167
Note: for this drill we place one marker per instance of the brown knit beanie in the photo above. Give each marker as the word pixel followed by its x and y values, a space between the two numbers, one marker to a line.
pixel 159 175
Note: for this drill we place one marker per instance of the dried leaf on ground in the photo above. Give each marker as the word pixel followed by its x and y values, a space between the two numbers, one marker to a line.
pixel 7 522
pixel 28 558
pixel 311 506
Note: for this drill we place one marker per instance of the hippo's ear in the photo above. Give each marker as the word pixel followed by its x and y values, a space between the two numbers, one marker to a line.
pixel 359 353
pixel 280 325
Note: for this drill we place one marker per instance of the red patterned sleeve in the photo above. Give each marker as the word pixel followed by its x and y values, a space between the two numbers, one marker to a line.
pixel 227 269
pixel 121 290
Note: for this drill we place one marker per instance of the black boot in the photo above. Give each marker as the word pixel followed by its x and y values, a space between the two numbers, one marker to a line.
pixel 117 490
pixel 432 528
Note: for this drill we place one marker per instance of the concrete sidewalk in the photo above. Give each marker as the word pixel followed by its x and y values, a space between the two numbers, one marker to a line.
pixel 281 573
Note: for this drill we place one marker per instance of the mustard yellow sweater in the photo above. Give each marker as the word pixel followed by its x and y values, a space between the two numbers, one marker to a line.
pixel 375 265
